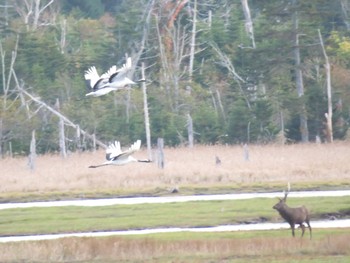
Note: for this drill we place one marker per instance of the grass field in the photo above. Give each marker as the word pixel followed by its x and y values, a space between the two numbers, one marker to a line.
pixel 261 246
pixel 192 171
pixel 26 221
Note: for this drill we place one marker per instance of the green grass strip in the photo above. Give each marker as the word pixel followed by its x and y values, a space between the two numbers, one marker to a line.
pixel 188 214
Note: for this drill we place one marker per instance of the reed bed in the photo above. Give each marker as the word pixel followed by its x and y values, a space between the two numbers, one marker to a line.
pixel 309 164
pixel 267 165
pixel 195 249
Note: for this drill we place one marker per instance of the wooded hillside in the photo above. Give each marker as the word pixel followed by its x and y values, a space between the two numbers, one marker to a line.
pixel 243 71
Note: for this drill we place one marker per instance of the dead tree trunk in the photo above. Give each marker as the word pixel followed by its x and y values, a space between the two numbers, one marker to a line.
pixel 246 152
pixel 62 139
pixel 248 21
pixel 146 113
pixel 32 154
pixel 64 118
pixel 283 136
pixel 160 155
pixel 218 95
pixel 226 62
pixel 32 11
pixel 146 26
pixel 175 45
pixel 7 81
pixel 10 149
pixel 304 131
pixel 63 25
pixel 329 114
pixel 190 130
pixel 193 40
pixel 78 139
pixel 345 10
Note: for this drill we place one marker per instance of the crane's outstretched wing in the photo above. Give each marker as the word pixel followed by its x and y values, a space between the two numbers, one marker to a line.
pixel 115 155
pixel 92 76
pixel 134 147
pixel 112 70
pixel 118 74
pixel 114 151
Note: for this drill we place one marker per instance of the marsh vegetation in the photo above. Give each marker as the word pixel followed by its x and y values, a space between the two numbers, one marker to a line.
pixel 192 171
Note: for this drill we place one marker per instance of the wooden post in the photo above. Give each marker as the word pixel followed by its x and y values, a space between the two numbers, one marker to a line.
pixel 32 154
pixel 283 136
pixel 246 152
pixel 190 130
pixel 10 149
pixel 78 139
pixel 62 138
pixel 160 159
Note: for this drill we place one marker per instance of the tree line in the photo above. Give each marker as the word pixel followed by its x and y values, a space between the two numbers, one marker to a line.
pixel 242 71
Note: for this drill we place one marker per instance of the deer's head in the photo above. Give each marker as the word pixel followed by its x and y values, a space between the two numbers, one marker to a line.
pixel 281 203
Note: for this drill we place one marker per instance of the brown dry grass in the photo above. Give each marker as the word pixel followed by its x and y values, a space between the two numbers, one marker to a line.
pixel 112 249
pixel 270 164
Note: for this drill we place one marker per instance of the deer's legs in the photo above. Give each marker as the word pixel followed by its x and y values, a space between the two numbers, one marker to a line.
pixel 310 230
pixel 302 229
pixel 292 226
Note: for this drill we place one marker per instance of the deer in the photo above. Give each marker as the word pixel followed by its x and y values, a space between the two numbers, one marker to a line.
pixel 293 215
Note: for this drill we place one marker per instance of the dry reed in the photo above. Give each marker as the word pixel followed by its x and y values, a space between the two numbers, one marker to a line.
pixel 267 165
pixel 150 249
pixel 183 167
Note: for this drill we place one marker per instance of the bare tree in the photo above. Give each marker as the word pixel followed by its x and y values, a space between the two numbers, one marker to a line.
pixel 6 84
pixel 248 21
pixel 176 43
pixel 193 40
pixel 63 42
pixel 345 8
pixel 66 121
pixel 6 78
pixel 226 62
pixel 329 114
pixel 62 137
pixel 146 113
pixel 304 131
pixel 36 13
pixel 146 26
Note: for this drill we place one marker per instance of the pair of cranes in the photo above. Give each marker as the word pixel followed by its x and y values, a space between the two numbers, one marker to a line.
pixel 113 80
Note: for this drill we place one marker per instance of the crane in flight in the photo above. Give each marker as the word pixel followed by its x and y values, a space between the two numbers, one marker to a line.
pixel 112 80
pixel 115 156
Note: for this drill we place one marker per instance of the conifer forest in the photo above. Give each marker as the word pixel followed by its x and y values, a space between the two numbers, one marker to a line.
pixel 217 72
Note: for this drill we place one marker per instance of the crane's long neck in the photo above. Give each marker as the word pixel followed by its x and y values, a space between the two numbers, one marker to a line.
pixel 144 161
pixel 96 166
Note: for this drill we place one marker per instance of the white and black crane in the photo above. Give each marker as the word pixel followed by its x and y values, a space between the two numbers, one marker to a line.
pixel 115 156
pixel 114 79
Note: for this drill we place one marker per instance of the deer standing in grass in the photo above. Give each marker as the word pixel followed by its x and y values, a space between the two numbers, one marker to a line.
pixel 294 216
